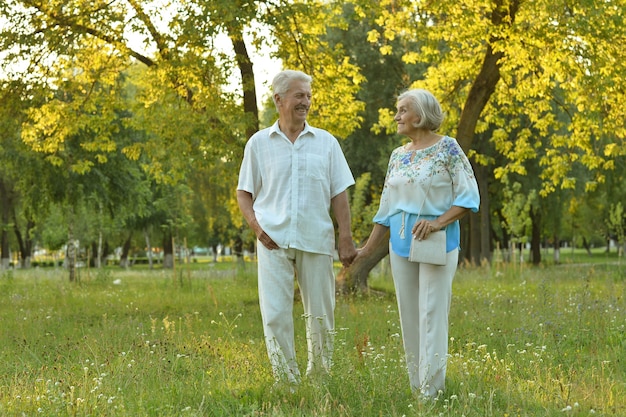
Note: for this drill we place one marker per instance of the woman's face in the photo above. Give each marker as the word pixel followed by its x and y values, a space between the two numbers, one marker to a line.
pixel 406 117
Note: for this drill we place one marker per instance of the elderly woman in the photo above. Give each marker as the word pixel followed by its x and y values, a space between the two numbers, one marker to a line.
pixel 429 186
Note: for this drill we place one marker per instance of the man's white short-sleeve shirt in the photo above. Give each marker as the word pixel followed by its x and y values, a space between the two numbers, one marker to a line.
pixel 292 185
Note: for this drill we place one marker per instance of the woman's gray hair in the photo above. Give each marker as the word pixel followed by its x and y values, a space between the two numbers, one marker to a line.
pixel 427 108
pixel 282 80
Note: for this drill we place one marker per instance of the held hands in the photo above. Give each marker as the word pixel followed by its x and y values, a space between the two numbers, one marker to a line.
pixel 423 228
pixel 347 252
pixel 360 253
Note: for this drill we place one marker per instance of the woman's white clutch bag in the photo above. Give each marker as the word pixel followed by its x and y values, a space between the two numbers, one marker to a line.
pixel 431 250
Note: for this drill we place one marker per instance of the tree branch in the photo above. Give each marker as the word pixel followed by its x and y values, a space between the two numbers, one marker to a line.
pixel 247 77
pixel 156 35
pixel 70 22
pixel 485 83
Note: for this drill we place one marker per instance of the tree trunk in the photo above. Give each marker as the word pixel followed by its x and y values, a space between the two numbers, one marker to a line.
pixel 168 250
pixel 485 83
pixel 588 247
pixel 5 224
pixel 465 254
pixel 124 263
pixel 148 248
pixel 484 213
pixel 480 92
pixel 246 71
pixel 25 243
pixel 238 247
pixel 482 88
pixel 186 253
pixel 215 252
pixel 474 238
pixel 354 278
pixel 5 259
pixel 250 106
pixel 99 253
pixel 535 238
pixel 557 250
pixel 70 255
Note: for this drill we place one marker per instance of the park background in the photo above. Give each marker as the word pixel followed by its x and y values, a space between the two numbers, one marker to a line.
pixel 123 124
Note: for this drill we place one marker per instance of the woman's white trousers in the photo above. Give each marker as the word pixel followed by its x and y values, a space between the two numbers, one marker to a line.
pixel 423 292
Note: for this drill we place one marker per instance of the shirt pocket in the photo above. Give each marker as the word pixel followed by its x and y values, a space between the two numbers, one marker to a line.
pixel 316 167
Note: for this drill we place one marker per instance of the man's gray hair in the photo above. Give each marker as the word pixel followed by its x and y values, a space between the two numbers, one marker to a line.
pixel 282 80
pixel 426 106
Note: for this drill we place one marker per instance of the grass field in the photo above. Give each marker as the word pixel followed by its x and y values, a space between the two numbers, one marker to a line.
pixel 542 341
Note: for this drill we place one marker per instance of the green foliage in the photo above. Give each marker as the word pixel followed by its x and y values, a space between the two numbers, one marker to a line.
pixel 368 147
pixel 54 235
pixel 525 86
pixel 523 342
pixel 124 107
pixel 554 60
pixel 517 211
pixel 170 115
pixel 336 78
pixel 362 209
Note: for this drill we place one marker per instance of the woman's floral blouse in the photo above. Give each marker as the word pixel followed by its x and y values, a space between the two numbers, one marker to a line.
pixel 426 182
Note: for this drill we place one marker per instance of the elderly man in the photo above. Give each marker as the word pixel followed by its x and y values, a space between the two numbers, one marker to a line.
pixel 291 176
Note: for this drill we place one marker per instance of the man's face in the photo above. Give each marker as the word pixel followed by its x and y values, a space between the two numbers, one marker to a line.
pixel 294 105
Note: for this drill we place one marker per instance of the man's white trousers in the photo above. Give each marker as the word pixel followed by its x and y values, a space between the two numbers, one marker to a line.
pixel 277 272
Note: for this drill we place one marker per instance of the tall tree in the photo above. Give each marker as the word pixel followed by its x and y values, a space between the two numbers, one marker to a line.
pixel 304 45
pixel 368 147
pixel 180 102
pixel 500 63
pixel 20 170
